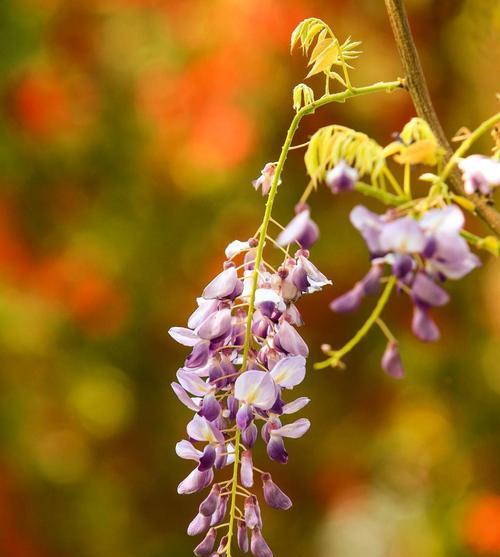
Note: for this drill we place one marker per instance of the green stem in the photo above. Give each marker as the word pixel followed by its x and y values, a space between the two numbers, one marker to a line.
pixel 381 195
pixel 308 109
pixel 465 146
pixel 336 355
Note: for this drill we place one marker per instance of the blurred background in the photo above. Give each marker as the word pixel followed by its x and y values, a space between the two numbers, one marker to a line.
pixel 130 131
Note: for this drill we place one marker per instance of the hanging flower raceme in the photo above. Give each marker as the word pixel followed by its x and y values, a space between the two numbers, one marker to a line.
pixel 231 402
pixel 421 254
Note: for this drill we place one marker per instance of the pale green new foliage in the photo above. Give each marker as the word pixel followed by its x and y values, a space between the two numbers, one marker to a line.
pixel 302 96
pixel 331 144
pixel 327 52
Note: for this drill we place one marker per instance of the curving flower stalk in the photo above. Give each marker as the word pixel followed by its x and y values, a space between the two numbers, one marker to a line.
pixel 246 354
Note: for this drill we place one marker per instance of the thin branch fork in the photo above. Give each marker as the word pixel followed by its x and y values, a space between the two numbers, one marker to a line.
pixel 419 92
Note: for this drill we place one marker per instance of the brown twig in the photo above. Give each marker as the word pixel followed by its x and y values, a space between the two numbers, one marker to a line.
pixel 419 92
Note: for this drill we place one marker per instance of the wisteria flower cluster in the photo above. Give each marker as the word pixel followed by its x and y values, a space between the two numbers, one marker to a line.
pixel 420 254
pixel 238 389
pixel 246 353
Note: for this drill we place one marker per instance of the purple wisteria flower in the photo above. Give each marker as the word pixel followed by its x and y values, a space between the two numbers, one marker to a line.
pixel 421 254
pixel 480 174
pixel 341 177
pixel 232 403
pixel 265 180
pixel 301 229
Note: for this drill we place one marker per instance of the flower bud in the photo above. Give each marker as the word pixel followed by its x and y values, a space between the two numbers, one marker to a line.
pixel 244 416
pixel 252 512
pixel 220 511
pixel 349 301
pixel 210 408
pixel 204 549
pixel 222 546
pixel 198 525
pixel 249 435
pixel 273 495
pixel 242 536
pixel 232 406
pixel 246 469
pixel 258 545
pixel 423 326
pixel 209 505
pixel 342 177
pixel 391 361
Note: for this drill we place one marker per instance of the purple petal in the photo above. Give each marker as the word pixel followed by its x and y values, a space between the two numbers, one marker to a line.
pixel 289 340
pixel 246 469
pixel 294 430
pixel 210 408
pixel 425 290
pixel 256 388
pixel 423 326
pixel 186 450
pixel 349 301
pixel 184 397
pixel 204 309
pixel 289 372
pixel 242 536
pixel 276 449
pixel 198 525
pixel 249 435
pixel 184 336
pixel 207 460
pixel 371 281
pixel 273 495
pixel 448 220
pixel 200 429
pixel 295 405
pixel 204 549
pixel 402 235
pixel 341 178
pixel 193 383
pixel 370 225
pixel 222 285
pixel 244 417
pixel 258 545
pixel 403 264
pixel 300 229
pixel 216 325
pixel 391 361
pixel 195 481
pixel 221 510
pixel 453 257
pixel 252 512
pixel 199 355
pixel 209 504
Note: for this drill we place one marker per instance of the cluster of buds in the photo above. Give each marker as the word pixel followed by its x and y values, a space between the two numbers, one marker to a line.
pixel 420 254
pixel 236 384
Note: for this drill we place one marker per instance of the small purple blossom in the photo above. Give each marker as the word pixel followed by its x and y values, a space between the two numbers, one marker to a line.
pixel 265 180
pixel 301 229
pixel 480 174
pixel 391 361
pixel 341 177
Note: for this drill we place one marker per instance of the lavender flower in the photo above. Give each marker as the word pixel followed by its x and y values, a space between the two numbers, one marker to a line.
pixel 480 174
pixel 227 401
pixel 341 177
pixel 421 254
pixel 265 180
pixel 301 229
